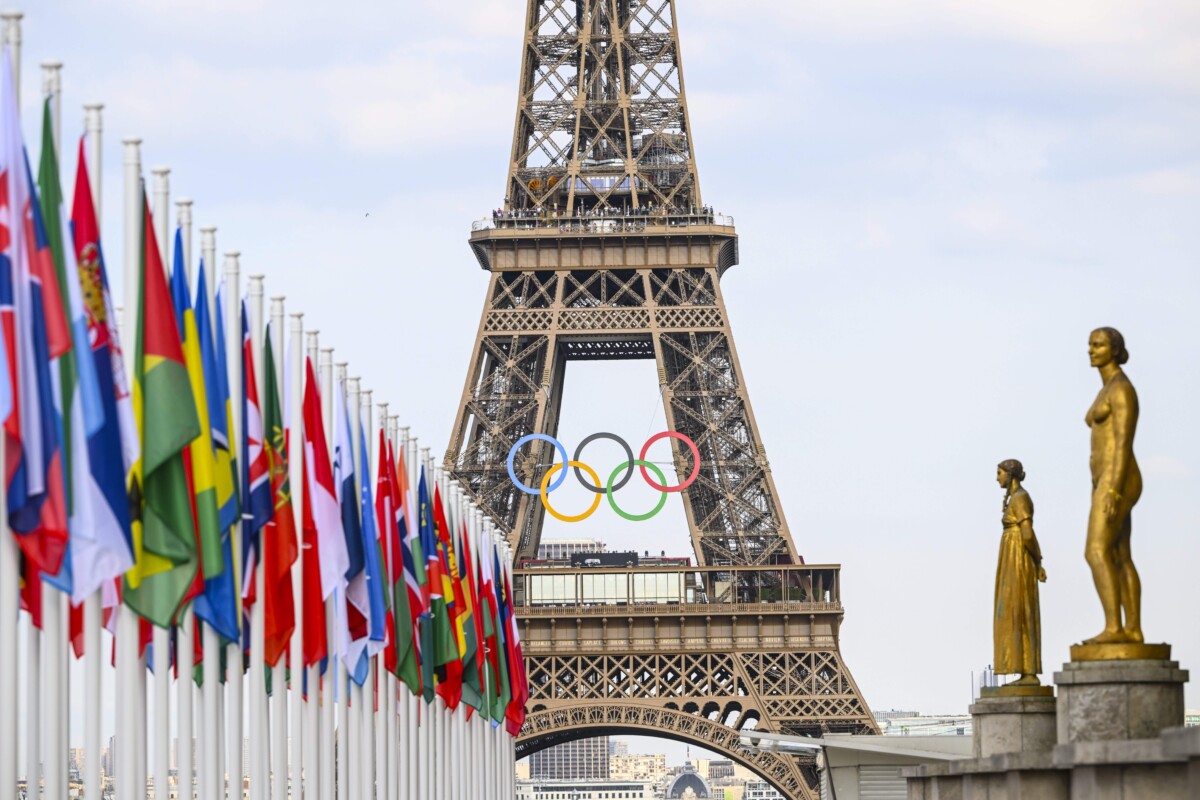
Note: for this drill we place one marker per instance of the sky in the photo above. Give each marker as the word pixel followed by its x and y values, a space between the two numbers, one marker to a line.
pixel 936 203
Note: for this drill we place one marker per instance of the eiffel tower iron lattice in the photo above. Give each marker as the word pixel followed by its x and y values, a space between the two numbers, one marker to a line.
pixel 605 250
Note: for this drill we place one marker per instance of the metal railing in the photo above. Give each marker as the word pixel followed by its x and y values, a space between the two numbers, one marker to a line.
pixel 679 588
pixel 593 223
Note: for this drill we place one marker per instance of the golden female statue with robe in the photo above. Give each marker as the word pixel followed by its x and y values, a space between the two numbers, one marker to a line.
pixel 1017 623
pixel 1116 487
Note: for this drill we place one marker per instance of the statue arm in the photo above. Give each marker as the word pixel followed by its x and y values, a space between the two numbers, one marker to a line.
pixel 1030 540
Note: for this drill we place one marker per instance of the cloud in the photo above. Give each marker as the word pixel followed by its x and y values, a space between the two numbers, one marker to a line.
pixel 371 107
pixel 1167 182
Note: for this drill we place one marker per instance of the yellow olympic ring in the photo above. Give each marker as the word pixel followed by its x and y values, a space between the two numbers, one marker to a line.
pixel 546 501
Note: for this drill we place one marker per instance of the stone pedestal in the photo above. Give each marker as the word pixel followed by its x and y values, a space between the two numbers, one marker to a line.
pixel 1019 720
pixel 1118 700
pixel 1107 737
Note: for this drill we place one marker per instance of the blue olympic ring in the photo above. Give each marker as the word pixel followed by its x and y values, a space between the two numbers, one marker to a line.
pixel 544 438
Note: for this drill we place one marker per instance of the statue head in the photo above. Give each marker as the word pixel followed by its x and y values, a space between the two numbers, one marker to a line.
pixel 1105 345
pixel 1009 470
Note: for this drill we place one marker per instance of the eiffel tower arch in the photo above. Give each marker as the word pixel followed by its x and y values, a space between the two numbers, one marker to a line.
pixel 605 250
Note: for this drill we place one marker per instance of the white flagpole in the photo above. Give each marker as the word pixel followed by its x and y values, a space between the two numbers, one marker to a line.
pixel 93 609
pixel 9 606
pixel 312 708
pixel 375 708
pixel 10 724
pixel 420 720
pixel 369 718
pixel 131 698
pixel 296 482
pixel 279 689
pixel 328 764
pixel 391 761
pixel 53 638
pixel 457 719
pixel 184 641
pixel 260 787
pixel 412 732
pixel 205 763
pixel 162 636
pixel 348 724
pixel 235 732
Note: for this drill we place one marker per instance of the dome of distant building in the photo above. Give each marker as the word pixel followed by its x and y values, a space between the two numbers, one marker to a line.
pixel 688 784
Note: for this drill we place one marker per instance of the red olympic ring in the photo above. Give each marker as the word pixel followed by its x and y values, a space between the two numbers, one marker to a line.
pixel 695 461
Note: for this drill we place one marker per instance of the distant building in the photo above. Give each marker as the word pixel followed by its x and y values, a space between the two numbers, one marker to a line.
pixel 719 769
pixel 1191 717
pixel 890 714
pixel 637 767
pixel 689 783
pixel 577 760
pixel 563 549
pixel 760 790
pixel 585 790
pixel 521 770
pixel 618 748
pixel 916 724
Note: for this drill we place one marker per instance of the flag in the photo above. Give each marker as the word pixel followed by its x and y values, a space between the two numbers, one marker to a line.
pixel 228 497
pixel 97 550
pixel 25 468
pixel 326 573
pixel 499 690
pixel 164 536
pixel 519 686
pixel 45 546
pixel 352 612
pixel 438 649
pixel 211 466
pixel 448 673
pixel 257 506
pixel 470 631
pixel 113 446
pixel 280 549
pixel 403 657
pixel 375 584
pixel 36 331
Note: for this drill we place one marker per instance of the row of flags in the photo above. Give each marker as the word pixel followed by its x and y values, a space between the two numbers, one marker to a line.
pixel 135 488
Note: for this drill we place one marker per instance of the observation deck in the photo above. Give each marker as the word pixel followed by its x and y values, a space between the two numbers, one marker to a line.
pixel 545 240
pixel 680 608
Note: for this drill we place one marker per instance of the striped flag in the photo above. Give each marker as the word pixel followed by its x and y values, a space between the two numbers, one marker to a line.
pixel 211 463
pixel 164 535
pixel 257 506
pixel 323 531
pixel 280 548
pixel 113 446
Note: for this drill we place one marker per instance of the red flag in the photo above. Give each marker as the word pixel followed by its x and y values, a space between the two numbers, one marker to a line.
pixel 315 645
pixel 472 573
pixel 449 686
pixel 515 713
pixel 280 549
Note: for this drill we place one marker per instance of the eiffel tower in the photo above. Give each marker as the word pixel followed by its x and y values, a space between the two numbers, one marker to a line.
pixel 605 249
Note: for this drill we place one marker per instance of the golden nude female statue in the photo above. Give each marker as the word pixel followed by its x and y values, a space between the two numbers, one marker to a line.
pixel 1116 487
pixel 1017 624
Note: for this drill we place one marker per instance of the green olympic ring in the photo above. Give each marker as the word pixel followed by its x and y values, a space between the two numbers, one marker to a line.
pixel 662 501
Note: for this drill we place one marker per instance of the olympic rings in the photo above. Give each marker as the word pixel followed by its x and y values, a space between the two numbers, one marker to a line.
pixel 628 461
pixel 595 486
pixel 512 454
pixel 636 517
pixel 695 461
pixel 595 503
